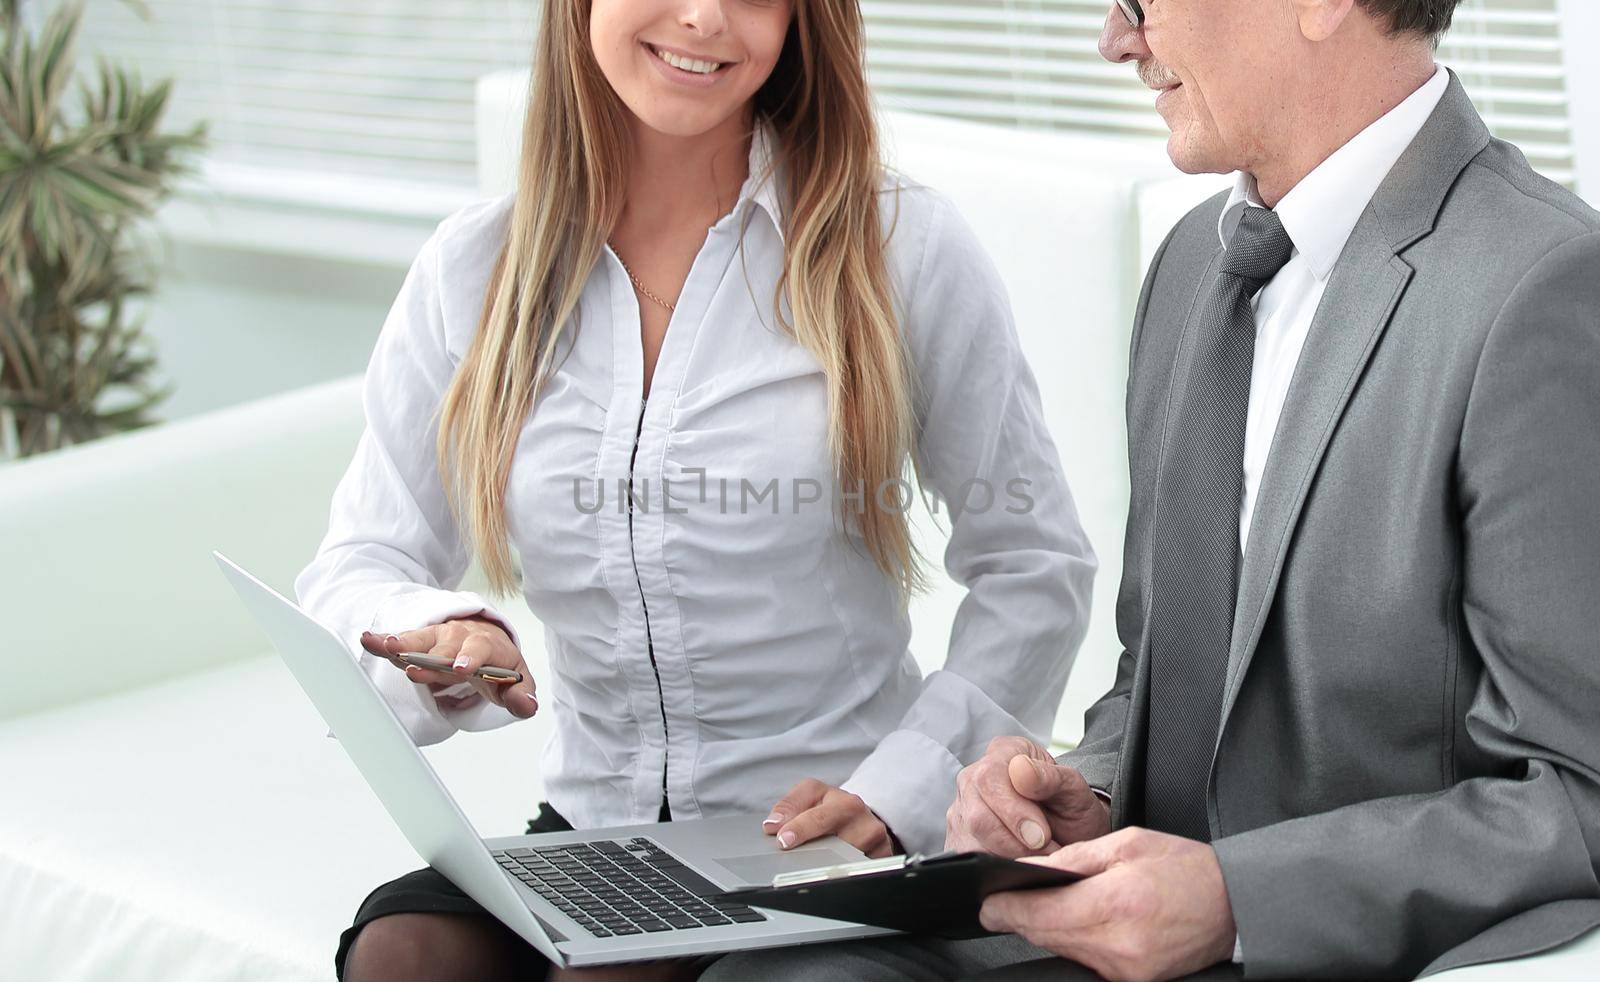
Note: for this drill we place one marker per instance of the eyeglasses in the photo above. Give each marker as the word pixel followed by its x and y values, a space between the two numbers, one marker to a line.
pixel 1132 10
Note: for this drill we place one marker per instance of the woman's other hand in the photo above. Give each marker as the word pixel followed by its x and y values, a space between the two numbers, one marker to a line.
pixel 812 809
pixel 468 643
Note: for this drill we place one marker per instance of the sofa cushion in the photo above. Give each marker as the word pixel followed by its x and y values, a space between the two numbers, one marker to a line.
pixel 206 828
pixel 107 546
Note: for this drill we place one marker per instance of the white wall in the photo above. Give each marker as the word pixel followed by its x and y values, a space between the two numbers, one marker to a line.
pixel 231 325
pixel 259 296
pixel 1580 31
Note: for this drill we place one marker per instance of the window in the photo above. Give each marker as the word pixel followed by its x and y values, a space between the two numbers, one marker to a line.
pixel 303 91
pixel 1034 63
pixel 380 92
pixel 1509 56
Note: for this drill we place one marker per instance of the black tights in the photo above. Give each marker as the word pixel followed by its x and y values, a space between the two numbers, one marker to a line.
pixel 441 948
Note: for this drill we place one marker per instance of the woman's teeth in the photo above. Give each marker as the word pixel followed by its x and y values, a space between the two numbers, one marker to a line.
pixel 687 64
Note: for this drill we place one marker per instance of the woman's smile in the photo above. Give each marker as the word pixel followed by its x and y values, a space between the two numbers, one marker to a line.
pixel 685 68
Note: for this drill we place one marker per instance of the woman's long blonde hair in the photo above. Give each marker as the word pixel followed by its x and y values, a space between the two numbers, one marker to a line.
pixel 573 176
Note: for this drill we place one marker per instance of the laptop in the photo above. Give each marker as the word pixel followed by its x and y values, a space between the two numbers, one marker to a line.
pixel 593 897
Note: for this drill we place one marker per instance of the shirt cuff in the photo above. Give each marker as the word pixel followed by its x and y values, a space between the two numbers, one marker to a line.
pixel 414 702
pixel 1238 950
pixel 909 781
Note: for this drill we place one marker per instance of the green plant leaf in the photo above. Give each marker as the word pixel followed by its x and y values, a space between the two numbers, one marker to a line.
pixel 139 7
pixel 74 180
pixel 44 69
pixel 102 187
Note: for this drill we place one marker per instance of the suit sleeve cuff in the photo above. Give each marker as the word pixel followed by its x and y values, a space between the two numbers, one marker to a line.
pixel 1099 769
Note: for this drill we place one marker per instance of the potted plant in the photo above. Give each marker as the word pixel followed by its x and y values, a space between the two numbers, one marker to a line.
pixel 79 171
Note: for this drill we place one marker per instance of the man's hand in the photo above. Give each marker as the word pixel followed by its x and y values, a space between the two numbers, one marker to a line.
pixel 1153 906
pixel 812 809
pixel 469 643
pixel 1017 801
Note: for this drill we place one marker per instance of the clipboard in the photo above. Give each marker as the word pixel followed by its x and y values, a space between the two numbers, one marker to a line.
pixel 938 895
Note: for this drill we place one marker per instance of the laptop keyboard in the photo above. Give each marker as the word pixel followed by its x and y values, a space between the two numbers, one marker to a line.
pixel 623 886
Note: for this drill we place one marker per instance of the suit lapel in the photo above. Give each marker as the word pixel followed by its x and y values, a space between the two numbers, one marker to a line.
pixel 1130 764
pixel 1363 293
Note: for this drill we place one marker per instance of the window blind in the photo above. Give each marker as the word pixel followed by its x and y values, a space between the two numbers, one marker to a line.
pixel 366 88
pixel 1035 63
pixel 383 89
pixel 1509 56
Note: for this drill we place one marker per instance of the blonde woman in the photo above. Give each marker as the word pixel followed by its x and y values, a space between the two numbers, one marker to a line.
pixel 688 370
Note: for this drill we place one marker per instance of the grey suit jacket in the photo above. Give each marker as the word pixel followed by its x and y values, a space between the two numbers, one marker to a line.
pixel 1407 774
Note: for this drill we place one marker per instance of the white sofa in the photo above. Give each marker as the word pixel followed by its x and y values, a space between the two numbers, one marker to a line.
pixel 171 808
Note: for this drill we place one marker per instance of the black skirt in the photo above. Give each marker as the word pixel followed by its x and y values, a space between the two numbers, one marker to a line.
pixel 428 891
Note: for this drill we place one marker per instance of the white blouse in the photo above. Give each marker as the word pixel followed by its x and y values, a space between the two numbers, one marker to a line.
pixel 720 637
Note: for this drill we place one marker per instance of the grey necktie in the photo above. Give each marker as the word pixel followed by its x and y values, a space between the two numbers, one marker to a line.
pixel 1195 535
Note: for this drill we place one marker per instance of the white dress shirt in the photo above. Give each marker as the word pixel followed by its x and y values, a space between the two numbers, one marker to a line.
pixel 1319 214
pixel 721 640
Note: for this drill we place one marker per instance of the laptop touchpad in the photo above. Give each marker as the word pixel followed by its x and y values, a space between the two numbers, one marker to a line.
pixel 759 870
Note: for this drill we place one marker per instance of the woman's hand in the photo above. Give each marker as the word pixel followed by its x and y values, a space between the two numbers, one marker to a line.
pixel 812 809
pixel 469 643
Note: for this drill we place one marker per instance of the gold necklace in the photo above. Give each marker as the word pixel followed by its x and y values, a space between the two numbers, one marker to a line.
pixel 642 288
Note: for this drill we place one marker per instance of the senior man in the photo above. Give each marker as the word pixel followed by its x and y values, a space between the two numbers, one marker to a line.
pixel 1354 727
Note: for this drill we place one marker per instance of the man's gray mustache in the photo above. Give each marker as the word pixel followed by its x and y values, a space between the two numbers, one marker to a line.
pixel 1155 75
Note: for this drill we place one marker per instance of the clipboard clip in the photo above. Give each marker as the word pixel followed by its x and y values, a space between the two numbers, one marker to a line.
pixel 865 867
